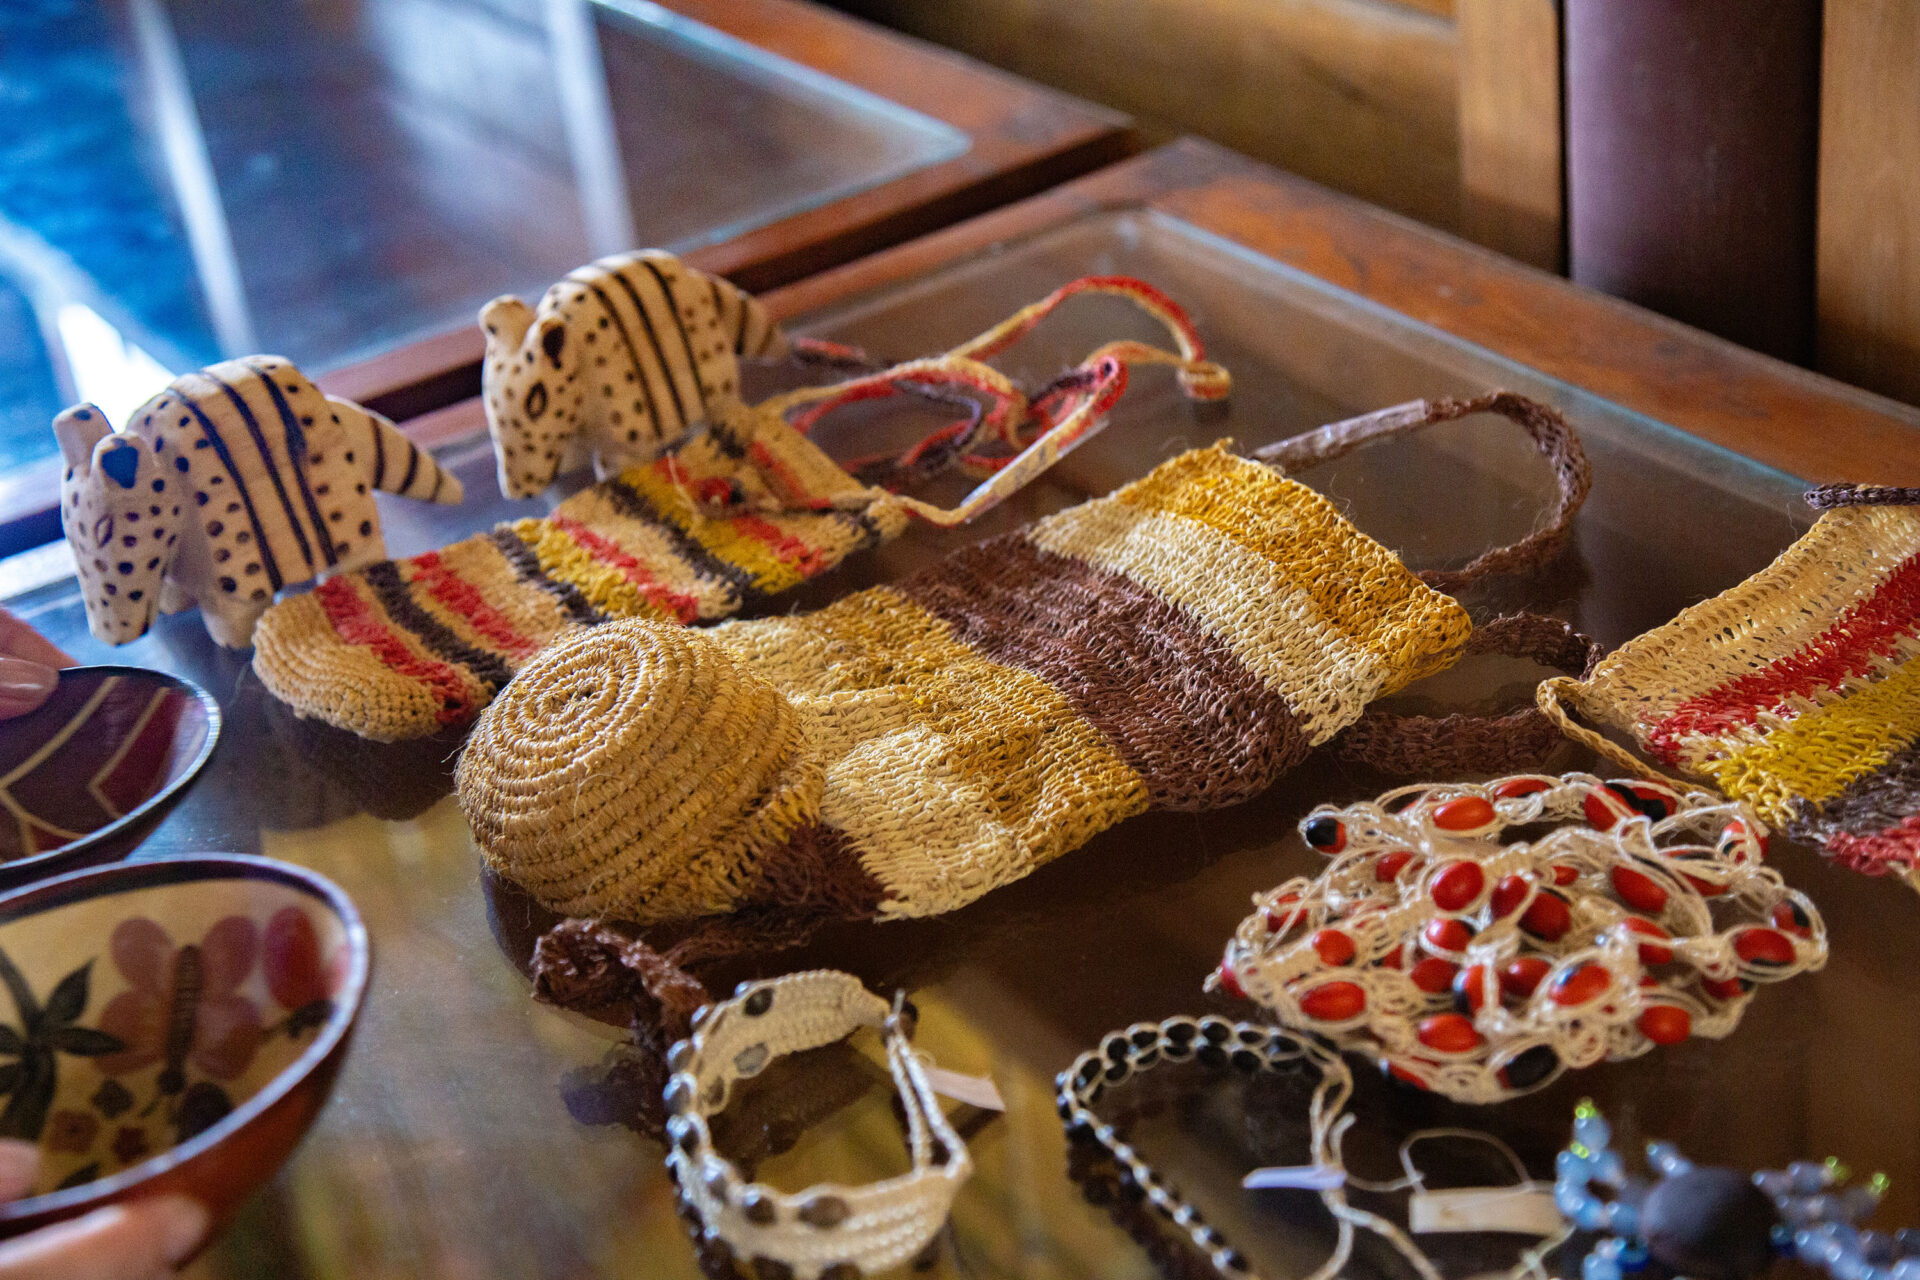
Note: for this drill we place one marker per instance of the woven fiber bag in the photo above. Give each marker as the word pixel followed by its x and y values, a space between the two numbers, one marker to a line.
pixel 749 510
pixel 1797 691
pixel 1179 644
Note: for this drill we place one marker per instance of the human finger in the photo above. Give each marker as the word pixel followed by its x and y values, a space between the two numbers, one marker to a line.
pixel 19 1167
pixel 19 640
pixel 24 685
pixel 143 1240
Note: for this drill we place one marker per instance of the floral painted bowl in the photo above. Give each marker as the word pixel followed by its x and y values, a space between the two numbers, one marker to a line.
pixel 85 777
pixel 171 1027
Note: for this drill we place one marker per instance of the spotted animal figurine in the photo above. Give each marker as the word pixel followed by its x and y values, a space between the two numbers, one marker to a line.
pixel 230 484
pixel 619 361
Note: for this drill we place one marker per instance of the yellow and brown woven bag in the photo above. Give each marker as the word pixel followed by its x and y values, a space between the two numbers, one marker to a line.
pixel 1797 691
pixel 1179 644
pixel 750 509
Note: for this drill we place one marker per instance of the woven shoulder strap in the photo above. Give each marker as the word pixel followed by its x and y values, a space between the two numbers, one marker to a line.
pixel 1449 746
pixel 1435 746
pixel 1544 425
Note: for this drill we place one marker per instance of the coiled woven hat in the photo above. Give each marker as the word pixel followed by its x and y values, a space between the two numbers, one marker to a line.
pixel 635 771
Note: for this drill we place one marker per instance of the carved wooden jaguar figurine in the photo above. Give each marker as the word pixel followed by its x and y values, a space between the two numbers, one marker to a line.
pixel 620 360
pixel 233 482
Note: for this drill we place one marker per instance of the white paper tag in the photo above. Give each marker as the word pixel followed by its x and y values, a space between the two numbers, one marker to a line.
pixel 978 1091
pixel 1306 1177
pixel 1523 1210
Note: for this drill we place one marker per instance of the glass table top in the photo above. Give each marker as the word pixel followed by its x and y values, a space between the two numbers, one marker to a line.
pixel 323 180
pixel 476 1133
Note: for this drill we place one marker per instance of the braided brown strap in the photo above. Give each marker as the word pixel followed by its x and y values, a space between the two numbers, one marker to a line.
pixel 1544 425
pixel 1828 496
pixel 1448 746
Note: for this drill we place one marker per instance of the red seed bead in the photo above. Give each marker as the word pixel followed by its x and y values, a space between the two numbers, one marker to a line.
pixel 1650 952
pixel 1651 797
pixel 1763 946
pixel 1332 946
pixel 1394 959
pixel 1433 975
pixel 1470 988
pixel 1603 809
pixel 1578 986
pixel 1548 918
pixel 1279 919
pixel 1513 788
pixel 1665 1023
pixel 1230 984
pixel 1787 915
pixel 1334 1002
pixel 1724 988
pixel 1447 934
pixel 1390 865
pixel 1509 894
pixel 1639 890
pixel 1325 833
pixel 1734 835
pixel 1565 873
pixel 1457 885
pixel 1405 1076
pixel 1705 888
pixel 1463 813
pixel 1448 1033
pixel 1522 975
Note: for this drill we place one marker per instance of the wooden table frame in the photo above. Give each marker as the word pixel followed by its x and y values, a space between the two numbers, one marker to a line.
pixel 1022 138
pixel 1786 417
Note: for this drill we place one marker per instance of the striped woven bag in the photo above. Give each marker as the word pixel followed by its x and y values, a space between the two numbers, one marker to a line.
pixel 719 523
pixel 1797 691
pixel 1179 644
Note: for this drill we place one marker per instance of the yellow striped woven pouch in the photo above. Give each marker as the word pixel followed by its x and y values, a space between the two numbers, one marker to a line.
pixel 748 510
pixel 1178 644
pixel 1797 691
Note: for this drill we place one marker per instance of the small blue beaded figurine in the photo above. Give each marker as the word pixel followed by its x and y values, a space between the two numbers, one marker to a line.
pixel 1710 1223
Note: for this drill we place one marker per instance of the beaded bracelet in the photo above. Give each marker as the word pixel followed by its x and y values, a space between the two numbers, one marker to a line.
pixel 825 1231
pixel 1249 1048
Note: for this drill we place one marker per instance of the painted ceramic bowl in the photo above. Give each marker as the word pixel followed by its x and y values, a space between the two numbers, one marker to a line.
pixel 171 1027
pixel 85 777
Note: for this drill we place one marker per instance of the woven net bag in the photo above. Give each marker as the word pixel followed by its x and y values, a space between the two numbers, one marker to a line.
pixel 1179 644
pixel 1797 691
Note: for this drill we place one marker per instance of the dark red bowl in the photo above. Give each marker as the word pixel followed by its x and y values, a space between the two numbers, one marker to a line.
pixel 171 1027
pixel 88 774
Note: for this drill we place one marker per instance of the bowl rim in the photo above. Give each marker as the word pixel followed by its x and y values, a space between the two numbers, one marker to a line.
pixel 96 882
pixel 133 816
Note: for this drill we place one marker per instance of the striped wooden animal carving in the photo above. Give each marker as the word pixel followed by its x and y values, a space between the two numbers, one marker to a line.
pixel 232 483
pixel 620 360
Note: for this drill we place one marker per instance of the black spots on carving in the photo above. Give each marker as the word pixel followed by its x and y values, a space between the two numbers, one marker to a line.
pixel 180 464
pixel 229 586
pixel 553 342
pixel 125 567
pixel 159 486
pixel 221 555
pixel 366 528
pixel 215 528
pixel 536 400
